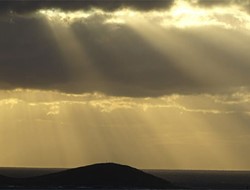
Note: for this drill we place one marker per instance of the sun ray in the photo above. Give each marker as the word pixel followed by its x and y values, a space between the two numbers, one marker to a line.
pixel 75 56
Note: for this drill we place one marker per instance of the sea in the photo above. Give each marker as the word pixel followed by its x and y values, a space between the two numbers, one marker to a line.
pixel 190 179
pixel 205 179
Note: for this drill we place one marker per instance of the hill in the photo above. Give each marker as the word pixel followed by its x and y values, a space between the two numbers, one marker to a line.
pixel 104 175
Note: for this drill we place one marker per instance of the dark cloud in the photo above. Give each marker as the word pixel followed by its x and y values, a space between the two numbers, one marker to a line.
pixel 29 54
pixel 210 3
pixel 213 3
pixel 26 6
pixel 31 58
pixel 121 62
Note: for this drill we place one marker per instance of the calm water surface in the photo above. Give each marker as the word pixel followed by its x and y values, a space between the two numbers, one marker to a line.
pixel 206 179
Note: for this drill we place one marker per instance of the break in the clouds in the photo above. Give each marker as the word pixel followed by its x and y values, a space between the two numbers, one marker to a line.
pixel 125 48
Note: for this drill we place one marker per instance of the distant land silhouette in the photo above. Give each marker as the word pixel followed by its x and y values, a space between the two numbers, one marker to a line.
pixel 103 175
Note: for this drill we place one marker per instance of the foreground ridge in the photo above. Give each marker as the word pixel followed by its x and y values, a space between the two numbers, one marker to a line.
pixel 102 175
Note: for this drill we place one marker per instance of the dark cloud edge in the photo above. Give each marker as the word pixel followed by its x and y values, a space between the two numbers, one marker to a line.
pixel 28 6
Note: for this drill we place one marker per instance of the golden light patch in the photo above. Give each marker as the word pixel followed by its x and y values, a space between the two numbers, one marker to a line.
pixel 56 15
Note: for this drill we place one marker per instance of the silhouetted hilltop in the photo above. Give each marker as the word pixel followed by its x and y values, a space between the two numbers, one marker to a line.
pixel 107 175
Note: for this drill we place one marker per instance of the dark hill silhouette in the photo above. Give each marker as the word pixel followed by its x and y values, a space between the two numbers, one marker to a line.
pixel 106 175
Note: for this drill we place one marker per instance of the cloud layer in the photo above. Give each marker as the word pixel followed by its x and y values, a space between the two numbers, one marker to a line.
pixel 125 52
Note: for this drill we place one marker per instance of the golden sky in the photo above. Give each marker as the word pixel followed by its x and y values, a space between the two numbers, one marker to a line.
pixel 152 84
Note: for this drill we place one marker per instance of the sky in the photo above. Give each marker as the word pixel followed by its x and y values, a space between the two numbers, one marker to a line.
pixel 160 84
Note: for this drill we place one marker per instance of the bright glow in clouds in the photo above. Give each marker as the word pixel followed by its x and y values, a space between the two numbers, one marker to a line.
pixel 182 14
pixel 53 129
pixel 59 16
